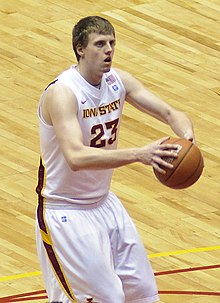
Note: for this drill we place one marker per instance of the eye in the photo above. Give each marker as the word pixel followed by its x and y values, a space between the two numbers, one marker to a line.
pixel 100 43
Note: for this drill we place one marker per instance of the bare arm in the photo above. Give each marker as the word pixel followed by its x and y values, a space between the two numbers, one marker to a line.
pixel 138 96
pixel 60 110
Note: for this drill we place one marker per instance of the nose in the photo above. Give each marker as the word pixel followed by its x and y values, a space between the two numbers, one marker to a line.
pixel 108 49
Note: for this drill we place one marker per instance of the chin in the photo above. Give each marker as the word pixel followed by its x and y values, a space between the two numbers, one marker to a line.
pixel 107 69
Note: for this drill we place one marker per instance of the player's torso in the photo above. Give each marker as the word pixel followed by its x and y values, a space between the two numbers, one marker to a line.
pixel 99 115
pixel 99 109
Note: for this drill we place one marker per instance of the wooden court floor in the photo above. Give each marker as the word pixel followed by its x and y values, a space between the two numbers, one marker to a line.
pixel 173 46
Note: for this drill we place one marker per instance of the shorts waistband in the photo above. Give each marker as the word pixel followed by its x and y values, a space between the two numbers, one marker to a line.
pixel 81 205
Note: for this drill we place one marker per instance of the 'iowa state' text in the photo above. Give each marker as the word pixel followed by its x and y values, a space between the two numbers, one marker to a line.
pixel 102 110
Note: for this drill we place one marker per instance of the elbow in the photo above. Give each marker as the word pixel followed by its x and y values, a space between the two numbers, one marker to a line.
pixel 75 168
pixel 75 165
pixel 75 159
pixel 79 160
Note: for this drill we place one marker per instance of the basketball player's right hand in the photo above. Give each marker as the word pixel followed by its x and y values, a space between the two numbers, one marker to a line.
pixel 153 154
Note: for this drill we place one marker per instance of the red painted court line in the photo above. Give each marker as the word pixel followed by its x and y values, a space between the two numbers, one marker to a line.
pixel 37 298
pixel 24 297
pixel 177 271
pixel 30 296
pixel 37 292
pixel 189 292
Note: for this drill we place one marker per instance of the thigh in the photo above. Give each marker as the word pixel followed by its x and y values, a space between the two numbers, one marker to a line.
pixel 131 262
pixel 136 274
pixel 83 250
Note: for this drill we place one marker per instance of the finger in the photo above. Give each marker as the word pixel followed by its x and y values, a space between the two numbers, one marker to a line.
pixel 192 139
pixel 167 153
pixel 169 146
pixel 158 168
pixel 162 163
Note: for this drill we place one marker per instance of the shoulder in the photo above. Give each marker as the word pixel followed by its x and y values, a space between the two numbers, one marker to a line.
pixel 58 91
pixel 61 83
pixel 129 81
pixel 121 73
pixel 58 100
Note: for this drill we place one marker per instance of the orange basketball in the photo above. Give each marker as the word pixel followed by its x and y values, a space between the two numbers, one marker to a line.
pixel 187 167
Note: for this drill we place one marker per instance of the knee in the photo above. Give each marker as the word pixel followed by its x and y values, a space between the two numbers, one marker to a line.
pixel 114 297
pixel 141 290
pixel 110 293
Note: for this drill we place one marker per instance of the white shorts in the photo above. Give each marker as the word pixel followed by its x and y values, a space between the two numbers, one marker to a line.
pixel 93 252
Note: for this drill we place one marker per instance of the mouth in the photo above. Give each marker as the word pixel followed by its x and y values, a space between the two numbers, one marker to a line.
pixel 108 60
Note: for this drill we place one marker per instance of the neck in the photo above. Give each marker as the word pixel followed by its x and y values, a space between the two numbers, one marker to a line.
pixel 92 79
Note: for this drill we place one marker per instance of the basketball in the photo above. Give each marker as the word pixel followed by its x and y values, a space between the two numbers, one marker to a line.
pixel 187 167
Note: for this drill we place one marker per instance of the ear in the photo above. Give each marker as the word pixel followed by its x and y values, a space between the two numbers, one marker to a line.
pixel 80 50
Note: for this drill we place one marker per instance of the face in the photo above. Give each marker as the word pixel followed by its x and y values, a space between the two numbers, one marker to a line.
pixel 98 54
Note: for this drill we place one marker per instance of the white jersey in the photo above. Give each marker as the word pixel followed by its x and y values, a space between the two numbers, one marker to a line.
pixel 99 115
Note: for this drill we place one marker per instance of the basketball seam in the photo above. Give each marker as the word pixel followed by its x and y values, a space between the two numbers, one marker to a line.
pixel 200 160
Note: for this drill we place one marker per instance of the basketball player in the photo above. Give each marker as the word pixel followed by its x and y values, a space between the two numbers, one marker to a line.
pixel 88 247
